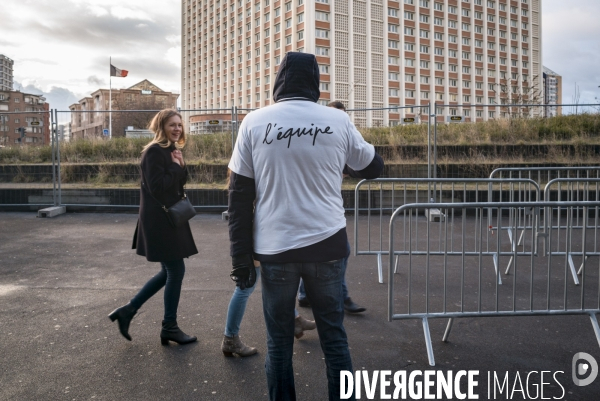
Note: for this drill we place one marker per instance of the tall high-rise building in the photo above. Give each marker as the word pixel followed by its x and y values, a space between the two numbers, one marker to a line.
pixel 552 93
pixel 371 54
pixel 6 73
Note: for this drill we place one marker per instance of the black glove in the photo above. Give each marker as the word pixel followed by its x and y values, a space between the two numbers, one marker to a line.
pixel 243 272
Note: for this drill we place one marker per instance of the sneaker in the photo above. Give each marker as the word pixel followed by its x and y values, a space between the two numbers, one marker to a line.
pixel 303 302
pixel 351 307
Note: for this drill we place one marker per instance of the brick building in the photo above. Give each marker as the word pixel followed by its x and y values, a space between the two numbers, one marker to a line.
pixel 89 117
pixel 27 111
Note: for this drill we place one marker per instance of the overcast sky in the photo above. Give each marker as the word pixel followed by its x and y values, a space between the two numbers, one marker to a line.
pixel 62 47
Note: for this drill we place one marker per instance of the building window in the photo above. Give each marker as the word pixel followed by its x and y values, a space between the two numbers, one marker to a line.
pixel 323 69
pixel 300 17
pixel 393 60
pixel 392 44
pixel 322 33
pixel 409 62
pixel 409 16
pixel 424 95
pixel 410 47
pixel 409 93
pixel 322 51
pixel 409 78
pixel 300 35
pixel 409 31
pixel 324 86
pixel 393 28
pixel 393 76
pixel 393 92
pixel 321 16
pixel 438 6
pixel 392 12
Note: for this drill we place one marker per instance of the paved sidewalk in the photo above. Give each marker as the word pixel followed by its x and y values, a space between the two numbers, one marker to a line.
pixel 60 277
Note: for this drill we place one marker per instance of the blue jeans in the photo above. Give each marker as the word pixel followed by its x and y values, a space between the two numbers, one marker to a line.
pixel 170 277
pixel 323 283
pixel 237 308
pixel 302 291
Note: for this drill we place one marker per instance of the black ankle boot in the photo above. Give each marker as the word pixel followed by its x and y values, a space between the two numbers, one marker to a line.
pixel 171 332
pixel 124 314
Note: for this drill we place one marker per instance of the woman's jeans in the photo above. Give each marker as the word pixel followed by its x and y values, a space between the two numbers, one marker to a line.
pixel 323 284
pixel 237 307
pixel 170 277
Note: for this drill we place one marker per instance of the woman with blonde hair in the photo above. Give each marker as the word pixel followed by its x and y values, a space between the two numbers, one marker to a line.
pixel 164 174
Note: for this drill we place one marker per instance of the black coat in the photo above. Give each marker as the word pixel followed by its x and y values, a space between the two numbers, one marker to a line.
pixel 155 238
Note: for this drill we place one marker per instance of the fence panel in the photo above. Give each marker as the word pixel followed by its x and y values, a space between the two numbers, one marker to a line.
pixel 382 196
pixel 29 184
pixel 555 220
pixel 443 272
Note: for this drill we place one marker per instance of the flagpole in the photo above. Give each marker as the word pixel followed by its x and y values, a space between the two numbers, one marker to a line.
pixel 110 98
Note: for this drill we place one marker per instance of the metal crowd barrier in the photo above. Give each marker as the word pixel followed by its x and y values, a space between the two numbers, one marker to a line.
pixel 383 195
pixel 442 277
pixel 571 190
pixel 543 175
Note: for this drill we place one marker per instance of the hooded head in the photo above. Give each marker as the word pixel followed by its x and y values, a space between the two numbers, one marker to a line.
pixel 298 77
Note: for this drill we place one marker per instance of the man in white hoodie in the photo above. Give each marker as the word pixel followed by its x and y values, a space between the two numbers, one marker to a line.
pixel 286 211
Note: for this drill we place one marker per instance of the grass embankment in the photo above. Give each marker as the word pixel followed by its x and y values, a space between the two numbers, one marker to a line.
pixel 109 161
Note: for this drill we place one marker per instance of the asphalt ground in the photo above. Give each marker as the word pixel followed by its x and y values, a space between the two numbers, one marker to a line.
pixel 60 277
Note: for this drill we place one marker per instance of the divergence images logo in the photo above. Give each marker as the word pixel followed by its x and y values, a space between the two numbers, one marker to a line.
pixel 581 369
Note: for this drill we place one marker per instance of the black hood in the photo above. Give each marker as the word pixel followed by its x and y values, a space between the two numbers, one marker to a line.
pixel 298 76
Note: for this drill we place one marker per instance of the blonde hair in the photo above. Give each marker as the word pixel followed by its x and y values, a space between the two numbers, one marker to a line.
pixel 157 126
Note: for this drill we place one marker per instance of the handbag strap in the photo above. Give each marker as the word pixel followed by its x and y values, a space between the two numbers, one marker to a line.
pixel 153 197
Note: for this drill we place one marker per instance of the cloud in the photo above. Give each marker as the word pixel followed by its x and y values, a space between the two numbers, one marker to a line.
pixel 571 48
pixel 94 80
pixel 57 97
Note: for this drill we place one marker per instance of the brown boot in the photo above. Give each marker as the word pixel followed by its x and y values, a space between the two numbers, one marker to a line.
pixel 233 345
pixel 301 324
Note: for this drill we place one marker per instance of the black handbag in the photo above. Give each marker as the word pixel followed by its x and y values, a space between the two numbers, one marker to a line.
pixel 180 212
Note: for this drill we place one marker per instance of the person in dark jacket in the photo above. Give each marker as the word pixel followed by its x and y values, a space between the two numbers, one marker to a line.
pixel 163 176
pixel 289 159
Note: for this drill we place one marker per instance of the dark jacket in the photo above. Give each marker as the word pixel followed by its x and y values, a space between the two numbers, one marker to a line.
pixel 155 238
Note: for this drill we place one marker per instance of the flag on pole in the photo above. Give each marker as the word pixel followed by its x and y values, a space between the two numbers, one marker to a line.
pixel 115 72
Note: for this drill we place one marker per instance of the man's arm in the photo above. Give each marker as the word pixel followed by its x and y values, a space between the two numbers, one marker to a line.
pixel 373 170
pixel 242 193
